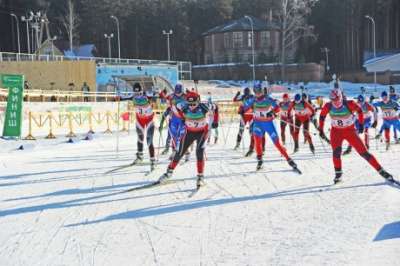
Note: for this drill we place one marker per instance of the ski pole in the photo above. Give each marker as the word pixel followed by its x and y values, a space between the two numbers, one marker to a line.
pixel 118 117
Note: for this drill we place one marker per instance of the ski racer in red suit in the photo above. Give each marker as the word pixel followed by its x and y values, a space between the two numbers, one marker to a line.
pixel 342 112
pixel 303 111
pixel 285 117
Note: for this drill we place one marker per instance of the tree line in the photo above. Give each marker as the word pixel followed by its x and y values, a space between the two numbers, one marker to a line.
pixel 339 25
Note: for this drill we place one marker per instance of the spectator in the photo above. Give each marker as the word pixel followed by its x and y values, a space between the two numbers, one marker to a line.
pixel 85 90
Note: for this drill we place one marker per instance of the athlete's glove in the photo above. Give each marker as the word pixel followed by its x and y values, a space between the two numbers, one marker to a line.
pixel 322 134
pixel 360 129
pixel 237 94
pixel 374 124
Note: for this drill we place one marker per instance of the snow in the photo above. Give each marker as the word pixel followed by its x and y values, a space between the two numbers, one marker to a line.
pixel 59 208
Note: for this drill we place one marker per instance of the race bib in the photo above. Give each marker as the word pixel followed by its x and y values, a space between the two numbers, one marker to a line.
pixel 303 112
pixel 144 110
pixel 389 114
pixel 196 124
pixel 342 122
pixel 284 113
pixel 262 113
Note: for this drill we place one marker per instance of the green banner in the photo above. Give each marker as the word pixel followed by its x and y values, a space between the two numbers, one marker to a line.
pixel 13 118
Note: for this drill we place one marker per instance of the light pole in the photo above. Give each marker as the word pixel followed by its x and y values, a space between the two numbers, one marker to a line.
pixel 119 41
pixel 326 51
pixel 252 46
pixel 374 40
pixel 52 45
pixel 168 33
pixel 109 37
pixel 27 20
pixel 19 44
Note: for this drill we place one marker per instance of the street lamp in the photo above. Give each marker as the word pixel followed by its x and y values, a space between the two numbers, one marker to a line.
pixel 119 41
pixel 109 37
pixel 27 20
pixel 19 44
pixel 168 33
pixel 252 46
pixel 326 51
pixel 374 40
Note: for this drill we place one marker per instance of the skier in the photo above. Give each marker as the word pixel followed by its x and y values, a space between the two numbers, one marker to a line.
pixel 367 110
pixel 195 120
pixel 144 122
pixel 342 112
pixel 246 117
pixel 213 116
pixel 390 116
pixel 303 112
pixel 285 117
pixel 393 95
pixel 164 116
pixel 175 126
pixel 264 110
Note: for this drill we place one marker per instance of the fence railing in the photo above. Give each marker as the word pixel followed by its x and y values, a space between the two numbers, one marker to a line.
pixel 46 124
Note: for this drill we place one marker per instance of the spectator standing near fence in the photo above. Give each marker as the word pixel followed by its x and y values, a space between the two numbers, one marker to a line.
pixel 85 91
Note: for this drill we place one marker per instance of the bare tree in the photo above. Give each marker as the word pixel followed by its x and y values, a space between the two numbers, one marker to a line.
pixel 293 22
pixel 70 21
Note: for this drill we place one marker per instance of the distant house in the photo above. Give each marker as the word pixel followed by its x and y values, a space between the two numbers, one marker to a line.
pixel 232 42
pixel 383 63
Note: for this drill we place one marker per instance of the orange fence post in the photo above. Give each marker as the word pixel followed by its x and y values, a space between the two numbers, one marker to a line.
pixel 30 136
pixel 71 133
pixel 50 135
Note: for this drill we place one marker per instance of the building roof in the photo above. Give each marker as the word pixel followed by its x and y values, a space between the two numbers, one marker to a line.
pixel 243 24
pixel 384 63
pixel 85 50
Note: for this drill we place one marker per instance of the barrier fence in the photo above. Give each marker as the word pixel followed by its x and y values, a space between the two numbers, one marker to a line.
pixel 69 124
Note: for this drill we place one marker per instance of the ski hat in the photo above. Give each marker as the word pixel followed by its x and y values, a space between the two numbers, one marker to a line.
pixel 297 98
pixel 246 91
pixel 258 88
pixel 137 88
pixel 304 96
pixel 285 96
pixel 178 88
pixel 384 94
pixel 192 98
pixel 361 98
pixel 391 89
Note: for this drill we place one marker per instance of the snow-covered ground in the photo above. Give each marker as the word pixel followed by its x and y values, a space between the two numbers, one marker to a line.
pixel 59 208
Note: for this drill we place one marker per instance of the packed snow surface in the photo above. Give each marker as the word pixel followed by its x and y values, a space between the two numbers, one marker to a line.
pixel 59 208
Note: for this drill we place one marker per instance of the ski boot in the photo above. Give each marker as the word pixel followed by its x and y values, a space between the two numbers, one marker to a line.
pixel 294 166
pixel 259 163
pixel 139 158
pixel 347 151
pixel 378 136
pixel 200 181
pixel 338 177
pixel 165 151
pixel 215 140
pixel 166 176
pixel 152 164
pixel 249 153
pixel 386 175
pixel 312 148
pixel 208 140
pixel 387 146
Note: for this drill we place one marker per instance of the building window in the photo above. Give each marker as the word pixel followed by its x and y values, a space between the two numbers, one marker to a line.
pixel 227 40
pixel 265 38
pixel 249 39
pixel 237 39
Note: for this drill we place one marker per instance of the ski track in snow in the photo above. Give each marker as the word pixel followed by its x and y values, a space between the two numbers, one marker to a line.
pixel 59 208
